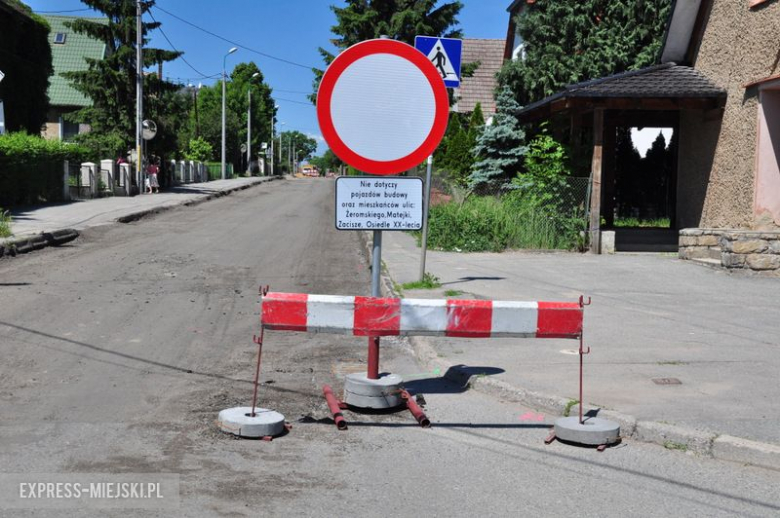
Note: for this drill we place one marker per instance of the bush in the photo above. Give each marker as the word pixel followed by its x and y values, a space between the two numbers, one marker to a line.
pixel 199 150
pixel 31 168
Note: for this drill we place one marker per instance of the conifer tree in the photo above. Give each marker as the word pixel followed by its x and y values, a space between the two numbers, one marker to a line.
pixel 400 20
pixel 500 148
pixel 110 82
pixel 570 42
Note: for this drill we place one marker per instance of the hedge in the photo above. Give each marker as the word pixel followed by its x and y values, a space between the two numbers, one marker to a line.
pixel 31 168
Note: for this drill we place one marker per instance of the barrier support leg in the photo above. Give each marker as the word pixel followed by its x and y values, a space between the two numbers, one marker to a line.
pixel 259 342
pixel 335 407
pixel 415 409
pixel 373 357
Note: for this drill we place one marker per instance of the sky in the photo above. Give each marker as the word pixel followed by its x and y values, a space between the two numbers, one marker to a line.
pixel 288 32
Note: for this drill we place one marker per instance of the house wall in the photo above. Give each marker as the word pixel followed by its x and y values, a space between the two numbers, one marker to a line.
pixel 699 135
pixel 52 129
pixel 739 45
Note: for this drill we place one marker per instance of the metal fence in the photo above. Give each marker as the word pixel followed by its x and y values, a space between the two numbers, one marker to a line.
pixel 215 170
pixel 77 188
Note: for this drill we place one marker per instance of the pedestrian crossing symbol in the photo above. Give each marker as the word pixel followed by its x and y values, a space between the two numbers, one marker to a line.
pixel 445 54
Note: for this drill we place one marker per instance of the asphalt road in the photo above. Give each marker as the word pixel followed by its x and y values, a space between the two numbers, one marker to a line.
pixel 120 348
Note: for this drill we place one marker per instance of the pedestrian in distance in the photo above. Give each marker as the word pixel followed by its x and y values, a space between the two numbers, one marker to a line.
pixel 152 170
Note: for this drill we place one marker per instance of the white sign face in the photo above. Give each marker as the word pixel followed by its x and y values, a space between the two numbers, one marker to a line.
pixel 379 203
pixel 379 122
pixel 382 107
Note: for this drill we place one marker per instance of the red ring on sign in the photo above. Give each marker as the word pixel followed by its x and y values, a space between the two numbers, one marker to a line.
pixel 328 83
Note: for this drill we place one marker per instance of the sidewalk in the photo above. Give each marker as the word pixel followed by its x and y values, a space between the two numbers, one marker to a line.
pixel 29 222
pixel 653 317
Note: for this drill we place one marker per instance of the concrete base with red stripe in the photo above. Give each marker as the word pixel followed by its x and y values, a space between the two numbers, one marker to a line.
pixel 378 394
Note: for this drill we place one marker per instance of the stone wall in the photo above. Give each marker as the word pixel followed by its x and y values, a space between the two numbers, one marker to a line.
pixel 700 243
pixel 735 249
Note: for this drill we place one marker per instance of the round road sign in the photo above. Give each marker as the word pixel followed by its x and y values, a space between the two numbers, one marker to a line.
pixel 382 106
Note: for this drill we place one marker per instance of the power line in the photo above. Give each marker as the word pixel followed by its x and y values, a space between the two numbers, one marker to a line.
pixel 181 56
pixel 291 101
pixel 292 92
pixel 58 12
pixel 235 43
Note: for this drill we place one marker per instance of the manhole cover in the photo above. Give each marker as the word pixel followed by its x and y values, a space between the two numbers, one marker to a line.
pixel 667 381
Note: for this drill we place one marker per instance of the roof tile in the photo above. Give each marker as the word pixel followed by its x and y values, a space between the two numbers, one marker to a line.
pixel 69 57
pixel 481 86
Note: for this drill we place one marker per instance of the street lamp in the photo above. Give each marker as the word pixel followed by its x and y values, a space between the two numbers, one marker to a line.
pixel 249 125
pixel 224 81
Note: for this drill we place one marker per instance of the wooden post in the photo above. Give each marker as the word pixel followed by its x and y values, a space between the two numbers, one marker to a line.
pixel 595 193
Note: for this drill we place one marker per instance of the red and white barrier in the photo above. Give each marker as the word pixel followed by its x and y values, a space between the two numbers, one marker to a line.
pixel 374 316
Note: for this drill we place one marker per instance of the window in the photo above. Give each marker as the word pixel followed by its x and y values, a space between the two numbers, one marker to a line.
pixel 59 38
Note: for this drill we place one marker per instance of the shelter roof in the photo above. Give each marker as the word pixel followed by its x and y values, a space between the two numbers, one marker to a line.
pixel 666 86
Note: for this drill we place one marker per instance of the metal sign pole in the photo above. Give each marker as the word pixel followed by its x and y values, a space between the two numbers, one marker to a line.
pixel 376 270
pixel 426 205
pixel 376 264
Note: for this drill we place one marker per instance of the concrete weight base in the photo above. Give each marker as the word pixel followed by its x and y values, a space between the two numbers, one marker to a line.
pixel 382 393
pixel 239 421
pixel 592 432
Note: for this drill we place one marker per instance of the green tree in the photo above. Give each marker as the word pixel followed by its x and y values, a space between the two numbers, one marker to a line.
pixel 570 42
pixel 110 82
pixel 500 148
pixel 327 162
pixel 400 20
pixel 296 146
pixel 627 172
pixel 544 171
pixel 208 124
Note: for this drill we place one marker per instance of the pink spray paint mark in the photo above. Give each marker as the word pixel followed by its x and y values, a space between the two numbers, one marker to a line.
pixel 530 416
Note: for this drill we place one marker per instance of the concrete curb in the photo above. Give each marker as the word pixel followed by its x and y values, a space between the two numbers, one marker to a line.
pixel 208 197
pixel 28 244
pixel 12 247
pixel 672 437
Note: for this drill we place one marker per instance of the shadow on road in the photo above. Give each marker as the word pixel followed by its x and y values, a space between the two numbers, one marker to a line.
pixel 146 361
pixel 455 380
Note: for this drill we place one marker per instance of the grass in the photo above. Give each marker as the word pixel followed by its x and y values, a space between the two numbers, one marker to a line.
pixel 643 223
pixel 569 406
pixel 671 445
pixel 428 282
pixel 5 224
pixel 452 293
pixel 491 224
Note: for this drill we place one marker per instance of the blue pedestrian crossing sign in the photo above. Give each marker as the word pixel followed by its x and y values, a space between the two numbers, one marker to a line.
pixel 445 54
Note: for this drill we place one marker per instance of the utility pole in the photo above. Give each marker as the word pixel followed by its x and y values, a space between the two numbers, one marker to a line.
pixel 224 86
pixel 139 93
pixel 249 131
pixel 249 125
